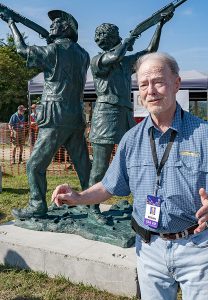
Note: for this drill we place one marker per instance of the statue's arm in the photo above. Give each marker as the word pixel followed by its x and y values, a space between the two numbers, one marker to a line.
pixel 18 39
pixel 154 43
pixel 117 54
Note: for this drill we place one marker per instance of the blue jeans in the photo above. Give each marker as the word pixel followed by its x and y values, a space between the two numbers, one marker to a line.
pixel 164 265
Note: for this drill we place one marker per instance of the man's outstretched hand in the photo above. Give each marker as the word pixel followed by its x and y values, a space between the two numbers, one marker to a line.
pixel 6 18
pixel 202 213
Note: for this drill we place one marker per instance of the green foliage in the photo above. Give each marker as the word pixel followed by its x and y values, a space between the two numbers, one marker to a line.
pixel 14 76
pixel 199 109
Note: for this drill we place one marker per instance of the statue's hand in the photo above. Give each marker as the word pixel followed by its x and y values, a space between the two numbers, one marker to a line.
pixel 130 42
pixel 6 18
pixel 49 40
pixel 166 17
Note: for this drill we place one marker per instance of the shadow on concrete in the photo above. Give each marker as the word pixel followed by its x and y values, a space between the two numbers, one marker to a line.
pixel 13 259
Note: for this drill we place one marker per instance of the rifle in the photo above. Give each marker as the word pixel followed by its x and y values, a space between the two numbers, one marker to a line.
pixel 4 10
pixel 155 18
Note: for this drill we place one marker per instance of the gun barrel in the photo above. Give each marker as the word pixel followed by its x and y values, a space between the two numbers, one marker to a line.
pixel 176 3
pixel 23 20
pixel 156 17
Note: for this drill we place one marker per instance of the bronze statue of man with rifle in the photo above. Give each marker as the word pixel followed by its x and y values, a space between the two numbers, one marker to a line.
pixel 112 71
pixel 60 114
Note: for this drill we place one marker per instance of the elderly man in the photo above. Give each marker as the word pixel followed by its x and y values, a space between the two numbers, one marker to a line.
pixel 113 115
pixel 163 162
pixel 60 114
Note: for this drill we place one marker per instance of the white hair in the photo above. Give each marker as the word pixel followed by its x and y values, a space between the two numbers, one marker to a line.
pixel 164 57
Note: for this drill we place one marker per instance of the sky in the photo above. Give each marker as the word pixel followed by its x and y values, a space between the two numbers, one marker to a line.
pixel 184 36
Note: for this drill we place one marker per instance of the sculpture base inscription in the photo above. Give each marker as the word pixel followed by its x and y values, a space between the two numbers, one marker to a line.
pixel 82 221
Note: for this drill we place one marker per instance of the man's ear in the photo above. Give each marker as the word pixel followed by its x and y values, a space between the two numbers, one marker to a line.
pixel 178 83
pixel 65 27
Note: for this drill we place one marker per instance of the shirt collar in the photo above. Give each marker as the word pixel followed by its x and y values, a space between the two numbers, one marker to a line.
pixel 62 40
pixel 19 115
pixel 177 120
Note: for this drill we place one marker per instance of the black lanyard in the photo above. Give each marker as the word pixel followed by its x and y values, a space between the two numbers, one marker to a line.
pixel 158 166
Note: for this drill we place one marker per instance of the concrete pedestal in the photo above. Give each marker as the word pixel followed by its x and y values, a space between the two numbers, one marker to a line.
pixel 101 265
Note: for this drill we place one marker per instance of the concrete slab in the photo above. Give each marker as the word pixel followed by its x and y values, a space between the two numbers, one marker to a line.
pixel 101 265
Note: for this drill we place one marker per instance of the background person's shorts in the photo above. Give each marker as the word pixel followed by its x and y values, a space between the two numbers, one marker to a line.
pixel 18 138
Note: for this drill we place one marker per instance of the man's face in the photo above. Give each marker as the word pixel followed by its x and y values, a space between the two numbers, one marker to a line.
pixel 158 86
pixel 56 28
pixel 21 111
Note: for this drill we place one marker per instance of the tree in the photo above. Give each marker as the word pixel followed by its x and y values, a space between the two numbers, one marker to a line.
pixel 14 76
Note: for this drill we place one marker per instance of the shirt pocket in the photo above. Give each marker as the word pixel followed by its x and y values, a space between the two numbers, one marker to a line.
pixel 40 110
pixel 142 176
pixel 185 177
pixel 192 165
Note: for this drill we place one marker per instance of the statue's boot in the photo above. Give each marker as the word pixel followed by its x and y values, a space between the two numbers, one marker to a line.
pixel 31 211
pixel 96 213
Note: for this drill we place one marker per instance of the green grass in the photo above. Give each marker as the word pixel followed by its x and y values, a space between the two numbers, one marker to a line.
pixel 27 285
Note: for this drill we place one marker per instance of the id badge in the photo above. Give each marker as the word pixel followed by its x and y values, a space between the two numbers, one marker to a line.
pixel 152 212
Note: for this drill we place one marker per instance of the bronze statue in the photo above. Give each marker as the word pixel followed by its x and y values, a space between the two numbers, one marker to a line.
pixel 113 115
pixel 60 114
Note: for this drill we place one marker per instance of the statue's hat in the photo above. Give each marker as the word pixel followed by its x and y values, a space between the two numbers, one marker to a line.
pixel 53 14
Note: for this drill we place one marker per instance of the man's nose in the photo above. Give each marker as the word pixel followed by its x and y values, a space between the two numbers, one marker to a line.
pixel 151 89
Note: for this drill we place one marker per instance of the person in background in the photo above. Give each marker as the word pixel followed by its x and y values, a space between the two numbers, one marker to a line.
pixel 33 124
pixel 163 162
pixel 17 132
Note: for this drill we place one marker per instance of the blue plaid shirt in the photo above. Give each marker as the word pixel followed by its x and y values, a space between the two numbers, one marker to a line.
pixel 185 171
pixel 17 121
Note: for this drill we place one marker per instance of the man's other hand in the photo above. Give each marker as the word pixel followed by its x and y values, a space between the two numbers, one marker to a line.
pixel 202 213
